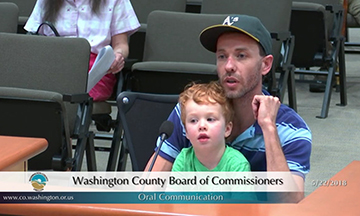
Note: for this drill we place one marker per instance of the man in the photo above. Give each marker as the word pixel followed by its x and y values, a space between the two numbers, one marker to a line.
pixel 272 136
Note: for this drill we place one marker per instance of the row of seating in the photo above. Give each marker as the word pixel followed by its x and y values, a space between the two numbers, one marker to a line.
pixel 43 94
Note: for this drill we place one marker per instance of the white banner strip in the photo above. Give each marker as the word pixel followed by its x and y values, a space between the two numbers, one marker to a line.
pixel 148 181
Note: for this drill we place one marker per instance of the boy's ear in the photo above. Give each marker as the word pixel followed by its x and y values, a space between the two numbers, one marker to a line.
pixel 228 129
pixel 186 134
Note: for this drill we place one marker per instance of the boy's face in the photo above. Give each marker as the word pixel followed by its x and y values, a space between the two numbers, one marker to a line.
pixel 205 125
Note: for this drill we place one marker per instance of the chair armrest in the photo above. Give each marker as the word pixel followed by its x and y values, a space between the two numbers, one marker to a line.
pixel 280 35
pixel 143 27
pixel 168 77
pixel 76 98
pixel 308 6
pixel 22 20
pixel 334 8
pixel 30 94
pixel 174 67
pixel 338 12
pixel 287 47
pixel 129 62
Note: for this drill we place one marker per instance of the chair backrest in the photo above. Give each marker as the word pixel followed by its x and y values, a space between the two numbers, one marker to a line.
pixel 45 63
pixel 193 6
pixel 173 54
pixel 34 113
pixel 141 115
pixel 51 64
pixel 143 8
pixel 329 17
pixel 277 20
pixel 25 9
pixel 174 36
pixel 308 17
pixel 9 13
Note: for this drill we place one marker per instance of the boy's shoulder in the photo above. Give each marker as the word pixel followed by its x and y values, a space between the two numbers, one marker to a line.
pixel 187 151
pixel 234 160
pixel 234 154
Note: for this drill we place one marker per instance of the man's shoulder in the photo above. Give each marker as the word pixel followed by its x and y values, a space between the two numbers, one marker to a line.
pixel 292 128
pixel 287 115
pixel 175 116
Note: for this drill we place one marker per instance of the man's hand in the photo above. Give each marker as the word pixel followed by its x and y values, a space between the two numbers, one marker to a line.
pixel 265 109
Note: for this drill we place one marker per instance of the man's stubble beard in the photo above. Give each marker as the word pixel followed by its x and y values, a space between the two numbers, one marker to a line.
pixel 249 85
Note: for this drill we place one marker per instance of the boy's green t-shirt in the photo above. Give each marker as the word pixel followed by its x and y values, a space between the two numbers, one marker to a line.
pixel 232 160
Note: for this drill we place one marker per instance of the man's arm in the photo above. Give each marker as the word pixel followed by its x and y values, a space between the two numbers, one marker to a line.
pixel 161 164
pixel 265 111
pixel 276 161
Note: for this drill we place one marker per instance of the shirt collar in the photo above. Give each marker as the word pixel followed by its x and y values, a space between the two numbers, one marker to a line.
pixel 253 130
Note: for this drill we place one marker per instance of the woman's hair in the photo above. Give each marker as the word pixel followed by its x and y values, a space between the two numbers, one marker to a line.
pixel 52 8
pixel 205 93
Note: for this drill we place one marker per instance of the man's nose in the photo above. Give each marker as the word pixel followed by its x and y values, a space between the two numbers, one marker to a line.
pixel 230 66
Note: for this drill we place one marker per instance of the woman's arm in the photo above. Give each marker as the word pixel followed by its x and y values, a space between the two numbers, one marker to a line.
pixel 120 46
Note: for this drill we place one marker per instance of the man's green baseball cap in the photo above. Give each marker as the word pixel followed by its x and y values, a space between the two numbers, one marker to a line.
pixel 248 25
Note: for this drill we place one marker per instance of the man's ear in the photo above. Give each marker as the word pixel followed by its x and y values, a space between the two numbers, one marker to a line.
pixel 228 129
pixel 266 65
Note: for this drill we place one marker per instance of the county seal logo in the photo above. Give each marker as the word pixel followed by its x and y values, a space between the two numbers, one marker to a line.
pixel 38 181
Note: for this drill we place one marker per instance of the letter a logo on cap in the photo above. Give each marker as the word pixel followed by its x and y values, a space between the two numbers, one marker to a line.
pixel 230 20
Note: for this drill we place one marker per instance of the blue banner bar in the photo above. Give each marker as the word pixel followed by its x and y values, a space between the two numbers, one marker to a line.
pixel 138 197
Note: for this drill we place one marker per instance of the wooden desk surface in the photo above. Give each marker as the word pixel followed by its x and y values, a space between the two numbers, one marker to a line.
pixel 326 200
pixel 149 209
pixel 17 149
pixel 337 200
